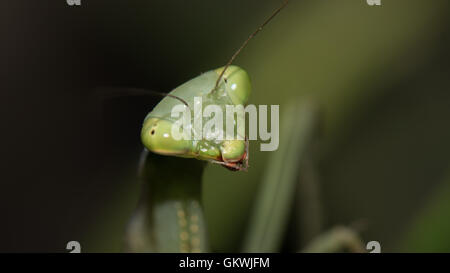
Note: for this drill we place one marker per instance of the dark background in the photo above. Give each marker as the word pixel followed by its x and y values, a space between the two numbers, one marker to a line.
pixel 69 154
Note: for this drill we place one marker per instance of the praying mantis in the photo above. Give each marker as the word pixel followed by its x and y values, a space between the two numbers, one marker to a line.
pixel 170 217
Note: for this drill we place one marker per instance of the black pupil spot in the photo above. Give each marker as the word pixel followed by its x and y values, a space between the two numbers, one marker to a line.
pixel 152 132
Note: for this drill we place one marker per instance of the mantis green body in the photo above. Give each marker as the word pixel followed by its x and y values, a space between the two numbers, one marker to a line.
pixel 169 217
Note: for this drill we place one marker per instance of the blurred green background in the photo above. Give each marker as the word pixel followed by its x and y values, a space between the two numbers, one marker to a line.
pixel 379 75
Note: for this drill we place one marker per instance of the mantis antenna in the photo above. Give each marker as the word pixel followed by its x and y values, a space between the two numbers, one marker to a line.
pixel 248 39
pixel 130 91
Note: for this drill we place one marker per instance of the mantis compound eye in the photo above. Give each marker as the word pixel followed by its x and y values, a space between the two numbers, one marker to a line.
pixel 237 84
pixel 157 137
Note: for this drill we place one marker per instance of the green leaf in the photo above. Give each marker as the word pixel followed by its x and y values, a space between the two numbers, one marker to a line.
pixel 429 231
pixel 274 201
pixel 338 239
